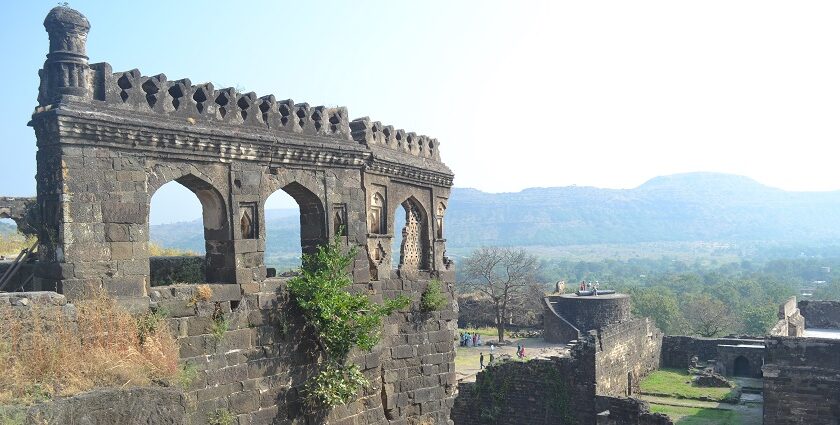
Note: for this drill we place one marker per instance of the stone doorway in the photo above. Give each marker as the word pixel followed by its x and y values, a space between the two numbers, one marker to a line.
pixel 741 367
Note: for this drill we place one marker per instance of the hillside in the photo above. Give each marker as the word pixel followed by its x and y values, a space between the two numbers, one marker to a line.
pixel 677 208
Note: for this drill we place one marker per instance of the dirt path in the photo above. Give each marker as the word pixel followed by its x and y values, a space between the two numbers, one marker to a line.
pixel 467 359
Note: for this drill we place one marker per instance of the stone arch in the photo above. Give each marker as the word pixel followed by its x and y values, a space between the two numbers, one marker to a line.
pixel 219 260
pixel 313 220
pixel 415 247
pixel 741 367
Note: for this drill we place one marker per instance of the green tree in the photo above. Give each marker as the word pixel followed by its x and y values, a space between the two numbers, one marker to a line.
pixel 758 319
pixel 660 304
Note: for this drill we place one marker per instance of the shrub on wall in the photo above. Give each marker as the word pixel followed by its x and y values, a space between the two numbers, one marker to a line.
pixel 432 298
pixel 341 321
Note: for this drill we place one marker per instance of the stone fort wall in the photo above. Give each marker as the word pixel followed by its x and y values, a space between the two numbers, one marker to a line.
pixel 801 381
pixel 553 391
pixel 604 368
pixel 591 312
pixel 625 353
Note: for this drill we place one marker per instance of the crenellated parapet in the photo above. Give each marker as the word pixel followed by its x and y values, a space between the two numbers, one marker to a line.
pixel 370 133
pixel 181 98
pixel 67 77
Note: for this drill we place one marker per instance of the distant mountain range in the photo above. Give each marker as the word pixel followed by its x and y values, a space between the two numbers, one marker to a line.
pixel 682 207
pixel 676 208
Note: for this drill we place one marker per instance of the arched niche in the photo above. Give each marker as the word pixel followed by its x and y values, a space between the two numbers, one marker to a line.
pixel 440 210
pixel 376 215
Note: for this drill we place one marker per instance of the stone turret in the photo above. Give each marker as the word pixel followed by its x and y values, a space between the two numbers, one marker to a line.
pixel 66 70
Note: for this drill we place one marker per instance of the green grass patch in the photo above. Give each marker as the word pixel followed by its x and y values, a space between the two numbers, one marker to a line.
pixel 677 383
pixel 697 415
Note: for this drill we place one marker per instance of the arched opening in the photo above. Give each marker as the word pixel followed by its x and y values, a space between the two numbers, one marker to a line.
pixel 17 250
pixel 188 219
pixel 295 225
pixel 282 232
pixel 411 243
pixel 11 241
pixel 396 242
pixel 741 367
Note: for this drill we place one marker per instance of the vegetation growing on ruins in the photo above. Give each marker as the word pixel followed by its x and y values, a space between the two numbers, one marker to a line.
pixel 187 374
pixel 493 387
pixel 432 298
pixel 202 293
pixel 220 325
pixel 221 417
pixel 148 324
pixel 45 355
pixel 341 321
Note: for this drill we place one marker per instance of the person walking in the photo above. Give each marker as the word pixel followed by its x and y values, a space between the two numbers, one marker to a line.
pixel 491 358
pixel 518 349
pixel 481 361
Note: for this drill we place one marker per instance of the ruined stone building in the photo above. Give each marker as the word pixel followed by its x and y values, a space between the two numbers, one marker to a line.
pixel 108 140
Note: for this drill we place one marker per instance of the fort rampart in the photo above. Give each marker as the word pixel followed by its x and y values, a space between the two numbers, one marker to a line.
pixel 108 140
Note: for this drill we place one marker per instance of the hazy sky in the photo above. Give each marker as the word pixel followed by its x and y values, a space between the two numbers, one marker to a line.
pixel 519 94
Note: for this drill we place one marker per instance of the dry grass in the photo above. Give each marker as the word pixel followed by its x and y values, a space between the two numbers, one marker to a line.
pixel 156 250
pixel 11 245
pixel 44 355
pixel 203 292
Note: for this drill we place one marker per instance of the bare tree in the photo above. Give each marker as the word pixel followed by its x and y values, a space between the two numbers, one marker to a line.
pixel 503 274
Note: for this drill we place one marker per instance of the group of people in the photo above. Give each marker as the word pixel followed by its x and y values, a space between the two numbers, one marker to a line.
pixel 588 286
pixel 470 340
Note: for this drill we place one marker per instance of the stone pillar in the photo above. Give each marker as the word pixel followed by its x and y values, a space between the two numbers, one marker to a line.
pixel 66 70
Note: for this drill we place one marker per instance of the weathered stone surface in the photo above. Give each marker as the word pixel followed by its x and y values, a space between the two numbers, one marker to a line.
pixel 820 314
pixel 801 381
pixel 109 406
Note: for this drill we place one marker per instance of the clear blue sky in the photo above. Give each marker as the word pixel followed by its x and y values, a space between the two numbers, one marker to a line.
pixel 519 94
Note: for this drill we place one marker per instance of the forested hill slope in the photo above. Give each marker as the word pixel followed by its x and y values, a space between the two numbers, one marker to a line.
pixel 684 207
